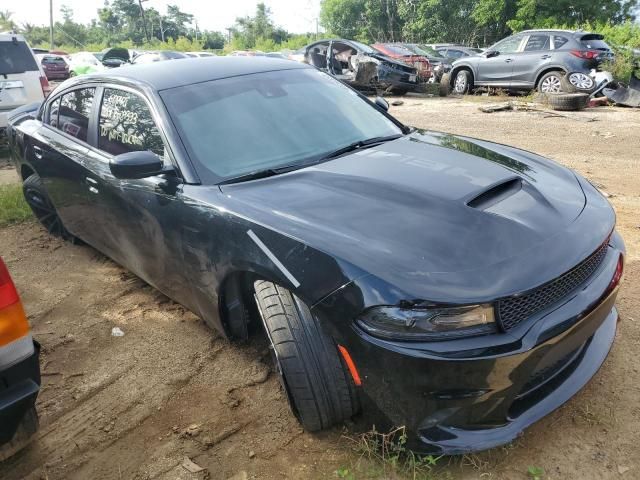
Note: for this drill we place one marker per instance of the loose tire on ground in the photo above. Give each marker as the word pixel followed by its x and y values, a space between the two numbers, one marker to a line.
pixel 568 101
pixel 38 200
pixel 445 85
pixel 320 390
pixel 577 82
pixel 23 436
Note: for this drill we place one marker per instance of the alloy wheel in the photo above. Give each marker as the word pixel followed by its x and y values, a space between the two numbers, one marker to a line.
pixel 551 85
pixel 45 212
pixel 460 85
pixel 581 81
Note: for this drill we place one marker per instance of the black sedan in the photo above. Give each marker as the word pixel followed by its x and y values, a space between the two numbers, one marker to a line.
pixel 458 287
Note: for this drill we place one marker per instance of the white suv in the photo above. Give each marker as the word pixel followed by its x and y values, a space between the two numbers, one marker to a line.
pixel 22 80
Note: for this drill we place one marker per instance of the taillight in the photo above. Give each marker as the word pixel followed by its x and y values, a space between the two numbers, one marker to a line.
pixel 46 88
pixel 13 321
pixel 586 54
pixel 617 275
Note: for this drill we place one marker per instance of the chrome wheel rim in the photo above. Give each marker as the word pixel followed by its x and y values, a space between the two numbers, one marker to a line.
pixel 461 83
pixel 581 80
pixel 551 85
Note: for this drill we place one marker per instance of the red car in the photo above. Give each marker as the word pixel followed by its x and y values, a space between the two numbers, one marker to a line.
pixel 55 67
pixel 405 55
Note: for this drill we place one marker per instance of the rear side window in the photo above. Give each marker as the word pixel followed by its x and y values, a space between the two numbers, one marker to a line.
pixel 536 43
pixel 454 53
pixel 54 108
pixel 16 58
pixel 75 110
pixel 126 124
pixel 559 41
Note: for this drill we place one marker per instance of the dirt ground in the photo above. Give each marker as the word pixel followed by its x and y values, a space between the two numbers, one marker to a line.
pixel 135 406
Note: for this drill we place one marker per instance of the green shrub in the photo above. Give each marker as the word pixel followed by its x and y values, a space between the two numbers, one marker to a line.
pixel 13 207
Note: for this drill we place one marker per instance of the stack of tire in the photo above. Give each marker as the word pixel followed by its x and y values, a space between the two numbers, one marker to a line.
pixel 574 94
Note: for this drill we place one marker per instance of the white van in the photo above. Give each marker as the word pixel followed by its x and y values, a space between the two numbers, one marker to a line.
pixel 22 80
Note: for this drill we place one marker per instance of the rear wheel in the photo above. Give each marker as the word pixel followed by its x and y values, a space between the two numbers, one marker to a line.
pixel 463 82
pixel 575 82
pixel 320 391
pixel 38 200
pixel 551 82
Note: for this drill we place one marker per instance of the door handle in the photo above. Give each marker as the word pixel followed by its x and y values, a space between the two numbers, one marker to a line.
pixel 37 152
pixel 545 57
pixel 92 183
pixel 508 60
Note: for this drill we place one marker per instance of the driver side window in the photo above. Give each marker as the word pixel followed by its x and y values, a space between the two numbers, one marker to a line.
pixel 126 125
pixel 508 45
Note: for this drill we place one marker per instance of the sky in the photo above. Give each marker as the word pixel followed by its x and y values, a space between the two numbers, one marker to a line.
pixel 296 16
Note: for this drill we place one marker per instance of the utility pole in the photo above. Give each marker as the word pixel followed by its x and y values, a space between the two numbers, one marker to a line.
pixel 51 24
pixel 161 30
pixel 144 22
pixel 317 29
pixel 229 34
pixel 196 30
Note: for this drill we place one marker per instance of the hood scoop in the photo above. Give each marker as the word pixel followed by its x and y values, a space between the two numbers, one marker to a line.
pixel 496 194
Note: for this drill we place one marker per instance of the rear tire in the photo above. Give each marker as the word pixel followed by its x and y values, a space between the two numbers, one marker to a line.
pixel 551 82
pixel 321 393
pixel 444 87
pixel 38 200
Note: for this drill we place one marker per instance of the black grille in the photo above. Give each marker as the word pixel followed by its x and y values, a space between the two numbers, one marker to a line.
pixel 513 310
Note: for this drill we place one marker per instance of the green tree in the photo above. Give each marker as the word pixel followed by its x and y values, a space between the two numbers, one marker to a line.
pixel 6 22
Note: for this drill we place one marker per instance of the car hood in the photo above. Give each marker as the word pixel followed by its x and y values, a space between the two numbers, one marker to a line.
pixel 427 203
pixel 115 53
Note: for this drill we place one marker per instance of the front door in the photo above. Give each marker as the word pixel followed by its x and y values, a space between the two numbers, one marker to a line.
pixel 497 70
pixel 137 220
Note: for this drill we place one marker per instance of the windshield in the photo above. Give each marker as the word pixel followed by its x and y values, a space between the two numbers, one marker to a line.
pixel 427 51
pixel 398 49
pixel 363 47
pixel 16 57
pixel 243 124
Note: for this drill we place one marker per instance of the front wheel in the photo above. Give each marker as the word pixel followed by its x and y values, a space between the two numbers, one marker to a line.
pixel 463 82
pixel 320 391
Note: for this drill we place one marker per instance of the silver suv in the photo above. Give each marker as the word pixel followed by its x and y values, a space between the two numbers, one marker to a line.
pixel 531 59
pixel 22 80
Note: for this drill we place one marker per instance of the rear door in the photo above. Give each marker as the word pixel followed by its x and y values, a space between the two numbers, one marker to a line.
pixel 59 153
pixel 535 55
pixel 497 70
pixel 19 77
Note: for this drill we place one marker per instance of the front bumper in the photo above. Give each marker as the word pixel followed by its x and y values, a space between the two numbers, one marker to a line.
pixel 473 394
pixel 19 387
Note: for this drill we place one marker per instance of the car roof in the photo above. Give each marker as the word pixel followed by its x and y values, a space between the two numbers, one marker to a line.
pixel 164 75
pixel 554 30
pixel 8 37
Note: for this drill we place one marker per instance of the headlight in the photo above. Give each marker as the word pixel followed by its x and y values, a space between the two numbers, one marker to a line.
pixel 429 323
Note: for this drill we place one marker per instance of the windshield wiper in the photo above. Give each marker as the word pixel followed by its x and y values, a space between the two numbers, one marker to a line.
pixel 270 172
pixel 359 145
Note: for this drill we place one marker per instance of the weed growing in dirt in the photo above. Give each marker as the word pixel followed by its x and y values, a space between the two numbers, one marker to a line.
pixel 535 473
pixel 13 208
pixel 384 455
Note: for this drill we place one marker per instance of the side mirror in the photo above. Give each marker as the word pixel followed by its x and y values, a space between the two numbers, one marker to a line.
pixel 382 103
pixel 492 53
pixel 134 165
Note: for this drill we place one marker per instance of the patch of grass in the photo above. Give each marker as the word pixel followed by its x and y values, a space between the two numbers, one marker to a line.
pixel 384 455
pixel 535 473
pixel 13 207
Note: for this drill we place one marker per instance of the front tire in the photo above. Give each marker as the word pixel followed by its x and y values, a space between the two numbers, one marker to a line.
pixel 463 82
pixel 320 391
pixel 38 200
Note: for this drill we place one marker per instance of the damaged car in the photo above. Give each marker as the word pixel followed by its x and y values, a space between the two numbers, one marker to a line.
pixel 458 287
pixel 361 66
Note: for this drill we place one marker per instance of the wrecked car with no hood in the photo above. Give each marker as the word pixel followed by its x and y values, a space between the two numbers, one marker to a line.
pixel 361 66
pixel 457 287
